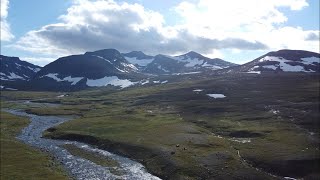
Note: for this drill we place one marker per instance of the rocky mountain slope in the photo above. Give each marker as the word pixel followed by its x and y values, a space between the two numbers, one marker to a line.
pixel 281 61
pixel 189 62
pixel 138 58
pixel 110 67
pixel 14 70
pixel 92 69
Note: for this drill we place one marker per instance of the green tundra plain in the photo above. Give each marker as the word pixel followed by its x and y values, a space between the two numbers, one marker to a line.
pixel 267 126
pixel 19 161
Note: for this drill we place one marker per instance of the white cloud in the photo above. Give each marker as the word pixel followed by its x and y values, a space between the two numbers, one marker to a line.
pixel 6 35
pixel 205 26
pixel 91 25
pixel 215 54
pixel 250 20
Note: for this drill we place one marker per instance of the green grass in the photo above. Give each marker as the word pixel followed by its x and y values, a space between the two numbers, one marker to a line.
pixel 173 130
pixel 19 161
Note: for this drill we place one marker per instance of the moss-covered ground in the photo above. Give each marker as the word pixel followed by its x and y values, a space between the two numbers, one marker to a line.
pixel 19 161
pixel 267 124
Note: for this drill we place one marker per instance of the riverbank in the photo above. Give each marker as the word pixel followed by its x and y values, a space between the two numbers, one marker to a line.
pixel 20 161
pixel 77 167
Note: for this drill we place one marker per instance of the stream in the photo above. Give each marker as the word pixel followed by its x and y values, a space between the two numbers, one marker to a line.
pixel 77 167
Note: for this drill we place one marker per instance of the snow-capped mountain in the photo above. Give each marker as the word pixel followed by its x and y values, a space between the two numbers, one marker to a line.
pixel 197 61
pixel 189 62
pixel 138 58
pixel 92 69
pixel 110 67
pixel 282 61
pixel 14 71
pixel 164 65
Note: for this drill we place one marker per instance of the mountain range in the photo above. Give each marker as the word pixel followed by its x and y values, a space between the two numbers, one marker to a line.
pixel 281 61
pixel 109 67
pixel 15 71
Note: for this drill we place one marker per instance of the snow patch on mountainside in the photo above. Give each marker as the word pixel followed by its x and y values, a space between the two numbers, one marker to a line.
pixel 187 73
pixel 213 67
pixel 129 66
pixel 140 62
pixel 189 61
pixel 254 72
pixel 307 61
pixel 18 65
pixel 102 58
pixel 143 82
pixel 162 68
pixel 73 80
pixel 310 60
pixel 111 80
pixel 216 95
pixel 14 76
pixel 270 67
pixel 33 69
pixel 196 62
pixel 285 65
pixel 53 76
pixel 7 88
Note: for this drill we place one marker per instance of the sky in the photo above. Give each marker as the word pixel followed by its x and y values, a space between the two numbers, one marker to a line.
pixel 41 31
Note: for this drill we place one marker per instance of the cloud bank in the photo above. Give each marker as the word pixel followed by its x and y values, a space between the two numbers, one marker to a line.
pixel 205 26
pixel 6 35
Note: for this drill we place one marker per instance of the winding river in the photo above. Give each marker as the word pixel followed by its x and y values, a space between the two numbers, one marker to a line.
pixel 77 167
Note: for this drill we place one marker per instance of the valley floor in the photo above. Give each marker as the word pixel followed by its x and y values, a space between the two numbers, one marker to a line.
pixel 263 127
pixel 20 161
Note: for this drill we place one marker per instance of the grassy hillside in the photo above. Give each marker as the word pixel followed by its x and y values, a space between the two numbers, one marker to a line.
pixel 266 124
pixel 19 161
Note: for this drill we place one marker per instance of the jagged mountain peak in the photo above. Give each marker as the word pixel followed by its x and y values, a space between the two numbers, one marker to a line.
pixel 285 60
pixel 193 54
pixel 106 53
pixel 135 53
pixel 14 71
pixel 292 54
pixel 138 55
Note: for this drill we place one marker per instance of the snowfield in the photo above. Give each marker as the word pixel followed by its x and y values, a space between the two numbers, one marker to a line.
pixel 140 62
pixel 14 76
pixel 102 58
pixel 216 95
pixel 197 72
pixel 190 62
pixel 73 80
pixel 284 66
pixel 144 82
pixel 34 69
pixel 254 72
pixel 163 69
pixel 193 62
pixel 112 80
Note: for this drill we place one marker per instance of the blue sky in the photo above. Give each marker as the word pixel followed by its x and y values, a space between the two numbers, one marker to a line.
pixel 41 31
